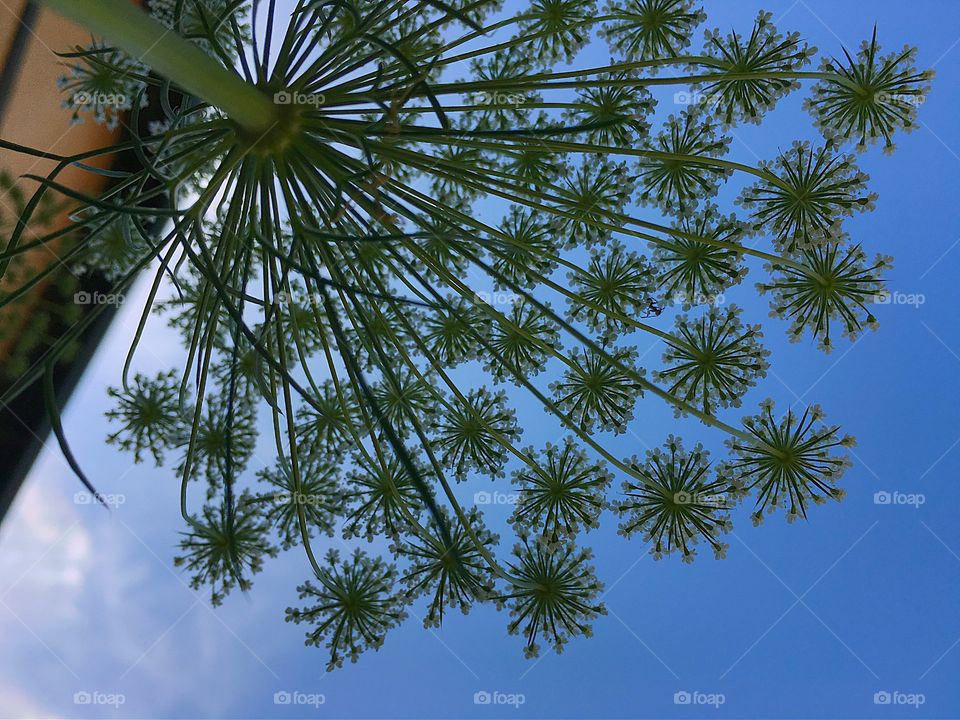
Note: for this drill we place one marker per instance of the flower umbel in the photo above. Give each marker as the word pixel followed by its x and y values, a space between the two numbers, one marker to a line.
pixel 871 96
pixel 225 547
pixel 675 502
pixel 554 595
pixel 382 231
pixel 790 462
pixel 354 606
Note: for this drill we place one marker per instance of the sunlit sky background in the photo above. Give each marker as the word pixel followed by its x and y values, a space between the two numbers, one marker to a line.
pixel 807 620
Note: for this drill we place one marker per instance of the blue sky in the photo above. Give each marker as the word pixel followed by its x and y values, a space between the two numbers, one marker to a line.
pixel 809 620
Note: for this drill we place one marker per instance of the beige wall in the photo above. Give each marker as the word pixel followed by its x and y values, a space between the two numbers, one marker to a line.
pixel 35 118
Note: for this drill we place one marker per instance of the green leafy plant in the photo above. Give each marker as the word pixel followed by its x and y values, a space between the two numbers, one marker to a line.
pixel 331 182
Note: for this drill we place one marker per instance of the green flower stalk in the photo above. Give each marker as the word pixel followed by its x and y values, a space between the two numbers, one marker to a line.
pixel 151 43
pixel 379 217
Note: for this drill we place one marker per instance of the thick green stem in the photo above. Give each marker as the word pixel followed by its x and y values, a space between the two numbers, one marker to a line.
pixel 131 29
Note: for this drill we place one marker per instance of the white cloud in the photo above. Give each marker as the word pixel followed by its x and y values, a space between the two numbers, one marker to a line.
pixel 45 552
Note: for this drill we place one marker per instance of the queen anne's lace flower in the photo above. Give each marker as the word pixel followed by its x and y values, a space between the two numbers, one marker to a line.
pixel 834 284
pixel 440 244
pixel 563 27
pixel 526 250
pixel 453 164
pixel 317 496
pixel 713 360
pixel 807 196
pixel 669 179
pixel 379 326
pixel 701 259
pixel 455 573
pixel 406 32
pixel 499 110
pixel 554 594
pixel 335 266
pixel 790 463
pixel 115 249
pixel 752 70
pixel 103 83
pixel 222 443
pixel 534 166
pixel 616 115
pixel 242 369
pixel 612 291
pixel 405 399
pixel 451 332
pixel 870 96
pixel 592 196
pixel 324 427
pixel 600 388
pixel 650 29
pixel 562 492
pixel 381 495
pixel 224 547
pixel 674 501
pixel 470 435
pixel 518 346
pixel 150 415
pixel 354 605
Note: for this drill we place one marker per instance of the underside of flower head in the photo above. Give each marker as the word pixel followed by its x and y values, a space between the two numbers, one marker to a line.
pixel 834 284
pixel 353 606
pixel 870 96
pixel 754 72
pixel 807 196
pixel 554 595
pixel 439 217
pixel 792 462
pixel 678 501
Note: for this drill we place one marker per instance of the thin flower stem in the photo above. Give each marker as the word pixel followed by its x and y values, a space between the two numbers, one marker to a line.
pixel 559 81
pixel 515 194
pixel 418 199
pixel 130 28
